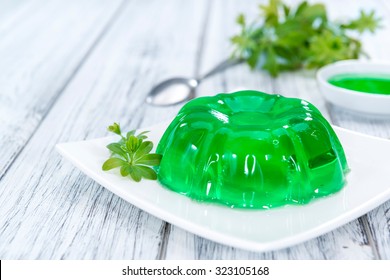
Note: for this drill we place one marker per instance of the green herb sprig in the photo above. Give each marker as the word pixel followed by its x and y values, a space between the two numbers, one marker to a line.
pixel 132 155
pixel 285 39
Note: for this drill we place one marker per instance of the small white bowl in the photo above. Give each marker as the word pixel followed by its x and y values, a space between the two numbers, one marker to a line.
pixel 368 103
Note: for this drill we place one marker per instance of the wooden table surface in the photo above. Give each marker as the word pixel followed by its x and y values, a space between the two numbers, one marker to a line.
pixel 70 68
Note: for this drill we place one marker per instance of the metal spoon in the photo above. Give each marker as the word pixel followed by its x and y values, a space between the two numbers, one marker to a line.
pixel 177 90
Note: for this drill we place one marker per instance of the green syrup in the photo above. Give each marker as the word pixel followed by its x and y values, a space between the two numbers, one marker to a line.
pixel 368 83
pixel 251 150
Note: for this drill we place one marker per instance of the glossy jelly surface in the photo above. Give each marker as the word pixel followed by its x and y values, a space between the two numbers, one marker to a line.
pixel 251 150
pixel 368 83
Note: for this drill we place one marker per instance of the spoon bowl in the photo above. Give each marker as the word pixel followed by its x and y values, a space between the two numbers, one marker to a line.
pixel 172 91
pixel 176 90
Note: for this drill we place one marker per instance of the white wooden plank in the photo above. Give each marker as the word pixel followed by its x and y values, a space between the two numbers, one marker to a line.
pixel 49 210
pixel 42 45
pixel 347 242
pixel 329 246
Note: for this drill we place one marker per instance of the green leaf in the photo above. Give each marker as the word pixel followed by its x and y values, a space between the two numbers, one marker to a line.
pixel 366 22
pixel 116 148
pixel 286 10
pixel 135 153
pixel 271 12
pixel 143 149
pixel 313 12
pixel 115 128
pixel 301 8
pixel 271 63
pixel 132 143
pixel 328 47
pixel 112 163
pixel 253 59
pixel 135 174
pixel 125 170
pixel 285 38
pixel 149 159
pixel 241 20
pixel 146 172
pixel 130 133
pixel 142 134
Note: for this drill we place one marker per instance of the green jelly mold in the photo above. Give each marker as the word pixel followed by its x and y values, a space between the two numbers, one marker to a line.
pixel 251 150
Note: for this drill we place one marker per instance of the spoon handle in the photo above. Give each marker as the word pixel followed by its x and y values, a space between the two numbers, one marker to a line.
pixel 220 67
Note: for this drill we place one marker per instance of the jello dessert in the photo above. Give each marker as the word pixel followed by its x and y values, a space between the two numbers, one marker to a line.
pixel 251 150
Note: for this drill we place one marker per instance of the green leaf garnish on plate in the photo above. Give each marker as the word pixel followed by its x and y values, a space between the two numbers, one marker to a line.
pixel 132 155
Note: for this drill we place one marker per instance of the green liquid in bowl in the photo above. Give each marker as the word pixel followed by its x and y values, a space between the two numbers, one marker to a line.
pixel 368 83
pixel 251 150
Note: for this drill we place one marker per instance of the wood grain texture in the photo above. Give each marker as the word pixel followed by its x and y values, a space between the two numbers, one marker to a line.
pixel 49 210
pixel 94 64
pixel 43 43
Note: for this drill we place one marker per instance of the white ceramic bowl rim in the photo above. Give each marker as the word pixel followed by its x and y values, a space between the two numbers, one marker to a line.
pixel 363 66
pixel 370 104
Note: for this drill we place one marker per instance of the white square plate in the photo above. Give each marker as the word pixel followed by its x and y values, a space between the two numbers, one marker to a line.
pixel 256 230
